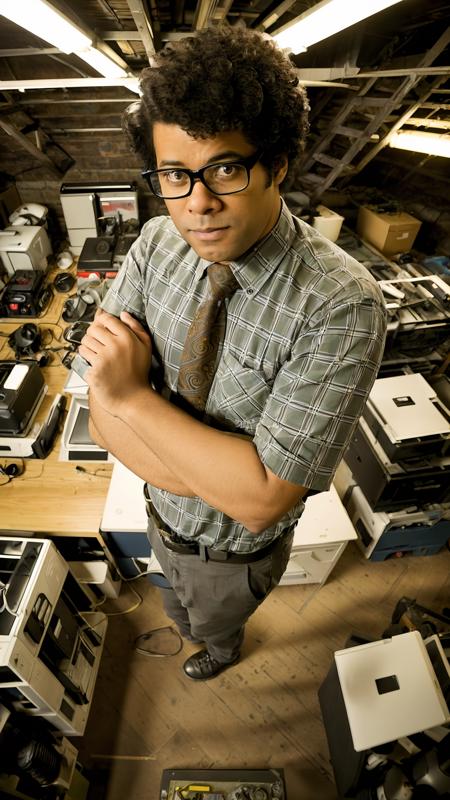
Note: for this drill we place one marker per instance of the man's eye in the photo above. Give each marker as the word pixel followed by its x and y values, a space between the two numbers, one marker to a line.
pixel 226 170
pixel 174 176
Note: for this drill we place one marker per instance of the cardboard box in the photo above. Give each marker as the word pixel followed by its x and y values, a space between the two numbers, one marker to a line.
pixel 389 232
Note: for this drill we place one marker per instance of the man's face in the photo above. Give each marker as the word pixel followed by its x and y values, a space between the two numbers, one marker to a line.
pixel 218 227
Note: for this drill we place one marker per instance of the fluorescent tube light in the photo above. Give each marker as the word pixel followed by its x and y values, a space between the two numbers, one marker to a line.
pixel 325 19
pixel 433 144
pixel 102 63
pixel 38 17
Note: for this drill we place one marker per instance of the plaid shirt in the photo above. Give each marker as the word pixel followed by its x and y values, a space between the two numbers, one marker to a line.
pixel 303 344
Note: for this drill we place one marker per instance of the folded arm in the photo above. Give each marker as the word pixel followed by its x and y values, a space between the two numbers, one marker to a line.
pixel 225 471
pixel 119 439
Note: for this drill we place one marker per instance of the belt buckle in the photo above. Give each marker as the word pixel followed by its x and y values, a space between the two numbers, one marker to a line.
pixel 218 555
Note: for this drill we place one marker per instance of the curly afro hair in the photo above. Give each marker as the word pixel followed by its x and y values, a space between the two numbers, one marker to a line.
pixel 223 78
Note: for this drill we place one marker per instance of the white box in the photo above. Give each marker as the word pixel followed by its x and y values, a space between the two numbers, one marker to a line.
pixel 329 223
pixel 320 538
pixel 390 688
pixel 24 247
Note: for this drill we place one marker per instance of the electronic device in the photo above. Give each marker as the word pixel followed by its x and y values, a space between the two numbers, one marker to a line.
pixel 75 332
pixel 222 784
pixel 86 207
pixel 122 247
pixel 64 282
pixel 22 388
pixel 382 534
pixel 394 688
pixel 407 418
pixel 50 640
pixel 36 440
pixel 76 441
pixel 97 254
pixel 29 214
pixel 78 307
pixel 391 485
pixel 39 756
pixel 26 340
pixel 25 295
pixel 24 247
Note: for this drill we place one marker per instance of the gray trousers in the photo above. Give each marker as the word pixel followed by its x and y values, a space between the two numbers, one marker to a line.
pixel 210 601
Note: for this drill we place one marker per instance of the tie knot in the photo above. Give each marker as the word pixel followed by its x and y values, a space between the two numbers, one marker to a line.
pixel 221 280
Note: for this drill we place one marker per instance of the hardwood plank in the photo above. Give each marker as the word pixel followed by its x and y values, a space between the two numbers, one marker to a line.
pixel 147 716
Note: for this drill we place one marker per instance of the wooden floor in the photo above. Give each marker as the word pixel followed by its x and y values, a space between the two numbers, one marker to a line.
pixel 264 712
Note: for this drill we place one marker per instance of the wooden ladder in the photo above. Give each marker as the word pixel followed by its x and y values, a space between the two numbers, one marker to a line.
pixel 321 166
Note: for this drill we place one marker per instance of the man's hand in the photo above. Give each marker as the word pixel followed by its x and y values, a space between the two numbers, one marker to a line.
pixel 119 351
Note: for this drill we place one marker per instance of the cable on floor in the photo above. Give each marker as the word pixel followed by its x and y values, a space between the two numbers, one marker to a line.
pixel 145 637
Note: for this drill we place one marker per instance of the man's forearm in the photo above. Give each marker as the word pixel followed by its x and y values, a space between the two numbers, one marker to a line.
pixel 116 436
pixel 223 470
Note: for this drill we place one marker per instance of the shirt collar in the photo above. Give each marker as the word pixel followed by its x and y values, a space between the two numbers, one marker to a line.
pixel 252 270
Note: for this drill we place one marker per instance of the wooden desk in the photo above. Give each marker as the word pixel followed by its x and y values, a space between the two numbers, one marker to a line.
pixel 52 497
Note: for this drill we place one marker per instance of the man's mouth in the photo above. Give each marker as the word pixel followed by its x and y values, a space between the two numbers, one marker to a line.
pixel 208 234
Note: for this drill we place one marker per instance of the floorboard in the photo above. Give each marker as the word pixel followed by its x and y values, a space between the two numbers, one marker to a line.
pixel 264 712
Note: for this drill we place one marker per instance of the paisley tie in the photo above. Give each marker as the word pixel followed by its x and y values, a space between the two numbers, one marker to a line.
pixel 199 356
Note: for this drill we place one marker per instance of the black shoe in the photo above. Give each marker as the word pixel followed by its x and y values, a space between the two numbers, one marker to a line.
pixel 201 666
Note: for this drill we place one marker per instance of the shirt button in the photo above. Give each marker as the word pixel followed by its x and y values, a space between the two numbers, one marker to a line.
pixel 250 291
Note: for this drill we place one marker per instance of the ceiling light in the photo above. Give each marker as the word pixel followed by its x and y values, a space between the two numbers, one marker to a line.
pixel 38 17
pixel 433 144
pixel 102 63
pixel 325 19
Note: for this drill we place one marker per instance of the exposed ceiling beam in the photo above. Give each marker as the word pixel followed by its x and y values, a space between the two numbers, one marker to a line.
pixel 121 36
pixel 204 12
pixel 222 10
pixel 428 122
pixel 275 14
pixel 398 73
pixel 22 140
pixel 402 120
pixel 143 26
pixel 326 73
pixel 66 83
pixel 29 51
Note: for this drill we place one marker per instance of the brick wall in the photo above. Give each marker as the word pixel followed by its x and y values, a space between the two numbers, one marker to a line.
pixel 98 155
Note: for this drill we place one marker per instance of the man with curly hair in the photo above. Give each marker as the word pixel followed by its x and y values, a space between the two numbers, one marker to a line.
pixel 228 446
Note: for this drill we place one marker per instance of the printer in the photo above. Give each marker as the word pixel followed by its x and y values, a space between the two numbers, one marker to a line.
pixel 27 425
pixel 50 639
pixel 24 247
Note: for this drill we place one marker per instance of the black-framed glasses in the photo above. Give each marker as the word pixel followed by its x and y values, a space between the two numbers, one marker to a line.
pixel 225 177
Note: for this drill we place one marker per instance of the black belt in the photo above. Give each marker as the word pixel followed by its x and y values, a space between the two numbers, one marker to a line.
pixel 209 554
pixel 175 543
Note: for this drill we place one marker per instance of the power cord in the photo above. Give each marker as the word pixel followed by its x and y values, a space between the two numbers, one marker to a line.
pixel 11 471
pixel 4 604
pixel 95 472
pixel 145 637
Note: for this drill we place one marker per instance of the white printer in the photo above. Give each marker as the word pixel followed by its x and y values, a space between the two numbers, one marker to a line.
pixel 24 247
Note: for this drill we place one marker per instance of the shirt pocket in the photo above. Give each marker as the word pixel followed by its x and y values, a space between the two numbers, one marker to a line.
pixel 239 393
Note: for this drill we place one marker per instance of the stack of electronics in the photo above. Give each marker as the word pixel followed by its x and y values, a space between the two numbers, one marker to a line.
pixel 76 442
pixel 33 758
pixel 222 784
pixel 24 251
pixel 50 640
pixel 386 709
pixel 26 432
pixel 102 221
pixel 417 303
pixel 398 497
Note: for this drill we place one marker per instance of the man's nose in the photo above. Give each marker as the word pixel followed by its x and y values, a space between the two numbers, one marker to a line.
pixel 202 200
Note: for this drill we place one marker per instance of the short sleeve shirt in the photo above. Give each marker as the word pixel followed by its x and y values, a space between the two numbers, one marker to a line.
pixel 303 344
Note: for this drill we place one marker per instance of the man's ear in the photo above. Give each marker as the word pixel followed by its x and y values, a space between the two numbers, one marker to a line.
pixel 280 168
